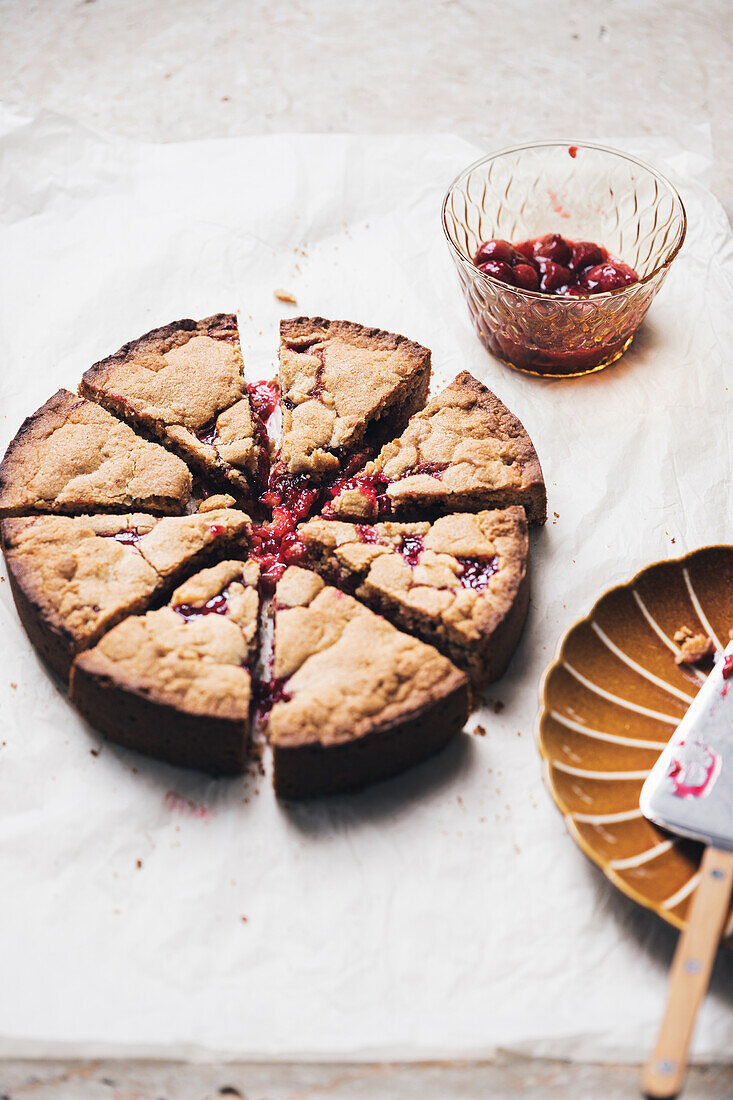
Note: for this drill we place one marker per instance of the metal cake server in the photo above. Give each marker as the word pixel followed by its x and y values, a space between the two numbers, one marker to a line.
pixel 689 791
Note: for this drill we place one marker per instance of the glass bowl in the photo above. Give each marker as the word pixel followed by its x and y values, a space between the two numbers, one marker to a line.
pixel 585 192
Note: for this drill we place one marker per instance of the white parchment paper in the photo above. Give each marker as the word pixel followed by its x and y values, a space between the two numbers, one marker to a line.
pixel 444 913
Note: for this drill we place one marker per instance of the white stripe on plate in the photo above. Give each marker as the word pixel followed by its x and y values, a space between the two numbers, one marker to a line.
pixel 661 635
pixel 600 735
pixel 668 718
pixel 585 773
pixel 636 667
pixel 682 892
pixel 606 819
pixel 641 857
pixel 699 611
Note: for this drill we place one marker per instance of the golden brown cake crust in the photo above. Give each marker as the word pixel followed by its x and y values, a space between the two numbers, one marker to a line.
pixel 184 385
pixel 475 452
pixel 477 628
pixel 72 579
pixel 348 671
pixel 182 673
pixel 338 379
pixel 362 700
pixel 72 456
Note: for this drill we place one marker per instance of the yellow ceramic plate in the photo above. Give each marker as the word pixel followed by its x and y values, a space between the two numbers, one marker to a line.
pixel 610 701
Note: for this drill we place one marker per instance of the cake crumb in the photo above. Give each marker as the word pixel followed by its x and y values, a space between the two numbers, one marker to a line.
pixel 139 863
pixel 498 706
pixel 243 920
pixel 285 296
pixel 14 686
pixel 95 752
pixel 480 731
pixel 694 648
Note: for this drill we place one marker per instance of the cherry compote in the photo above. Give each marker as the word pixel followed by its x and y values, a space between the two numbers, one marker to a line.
pixel 554 265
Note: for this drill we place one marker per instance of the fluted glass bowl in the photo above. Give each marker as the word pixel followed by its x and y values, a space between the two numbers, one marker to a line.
pixel 585 192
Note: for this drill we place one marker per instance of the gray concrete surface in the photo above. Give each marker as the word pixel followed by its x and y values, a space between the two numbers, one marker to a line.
pixel 505 1079
pixel 497 71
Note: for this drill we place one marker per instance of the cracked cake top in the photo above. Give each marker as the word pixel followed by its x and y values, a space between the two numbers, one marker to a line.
pixel 347 671
pixel 71 455
pixel 81 573
pixel 336 379
pixel 462 571
pixel 464 451
pixel 195 654
pixel 184 384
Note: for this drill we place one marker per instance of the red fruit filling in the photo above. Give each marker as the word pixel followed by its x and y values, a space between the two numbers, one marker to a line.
pixel 554 265
pixel 477 572
pixel 208 434
pixel 217 605
pixel 269 692
pixel 366 534
pixel 263 397
pixel 411 549
pixel 728 667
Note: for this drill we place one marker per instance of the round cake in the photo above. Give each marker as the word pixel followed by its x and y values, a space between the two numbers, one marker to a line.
pixel 150 527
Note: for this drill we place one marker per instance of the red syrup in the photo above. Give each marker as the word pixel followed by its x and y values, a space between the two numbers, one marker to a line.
pixel 554 265
pixel 728 667
pixel 411 549
pixel 208 434
pixel 269 692
pixel 366 533
pixel 694 769
pixel 217 605
pixel 477 572
pixel 263 397
pixel 275 544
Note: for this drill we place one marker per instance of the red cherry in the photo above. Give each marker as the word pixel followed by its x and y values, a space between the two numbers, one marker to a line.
pixel 586 254
pixel 282 522
pixel 553 247
pixel 499 270
pixel 526 277
pixel 526 249
pixel 574 291
pixel 292 550
pixel 494 250
pixel 554 276
pixel 611 275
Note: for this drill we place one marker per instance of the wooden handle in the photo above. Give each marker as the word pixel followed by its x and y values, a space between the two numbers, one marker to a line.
pixel 688 980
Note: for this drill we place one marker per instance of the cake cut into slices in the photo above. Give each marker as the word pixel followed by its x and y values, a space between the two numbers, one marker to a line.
pixel 356 699
pixel 72 456
pixel 465 451
pixel 72 578
pixel 342 383
pixel 460 583
pixel 176 683
pixel 184 385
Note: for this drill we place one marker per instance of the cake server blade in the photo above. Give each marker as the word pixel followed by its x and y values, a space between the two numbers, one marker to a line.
pixel 690 792
pixel 690 788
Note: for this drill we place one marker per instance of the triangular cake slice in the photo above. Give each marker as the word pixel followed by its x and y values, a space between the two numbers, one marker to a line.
pixel 72 456
pixel 176 683
pixel 184 385
pixel 342 383
pixel 460 583
pixel 72 578
pixel 464 452
pixel 356 699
